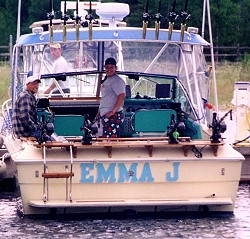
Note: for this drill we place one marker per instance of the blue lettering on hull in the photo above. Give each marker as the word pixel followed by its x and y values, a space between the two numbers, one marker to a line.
pixel 120 173
pixel 175 176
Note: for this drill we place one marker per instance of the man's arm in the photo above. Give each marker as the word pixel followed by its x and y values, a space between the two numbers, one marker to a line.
pixel 52 86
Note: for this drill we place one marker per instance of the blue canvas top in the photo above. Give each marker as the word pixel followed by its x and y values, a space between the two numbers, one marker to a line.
pixel 107 34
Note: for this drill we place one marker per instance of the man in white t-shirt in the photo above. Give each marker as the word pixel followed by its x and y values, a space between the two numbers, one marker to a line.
pixel 111 104
pixel 60 65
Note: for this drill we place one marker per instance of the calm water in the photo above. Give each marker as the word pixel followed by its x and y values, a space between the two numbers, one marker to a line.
pixel 12 225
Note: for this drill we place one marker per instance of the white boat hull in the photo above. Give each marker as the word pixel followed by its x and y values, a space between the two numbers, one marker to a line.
pixel 130 179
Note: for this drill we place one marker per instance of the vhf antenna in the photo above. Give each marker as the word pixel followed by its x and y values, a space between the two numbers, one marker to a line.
pixel 51 16
pixel 172 17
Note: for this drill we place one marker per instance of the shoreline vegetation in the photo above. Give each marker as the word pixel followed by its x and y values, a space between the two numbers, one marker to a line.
pixel 227 73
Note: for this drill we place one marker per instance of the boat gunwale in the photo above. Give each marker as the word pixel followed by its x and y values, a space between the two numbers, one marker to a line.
pixel 151 160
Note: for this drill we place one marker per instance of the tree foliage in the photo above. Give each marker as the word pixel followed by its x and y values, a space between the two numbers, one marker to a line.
pixel 229 17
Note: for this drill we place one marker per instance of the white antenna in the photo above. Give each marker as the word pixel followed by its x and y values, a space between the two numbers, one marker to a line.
pixel 206 7
pixel 18 20
pixel 203 19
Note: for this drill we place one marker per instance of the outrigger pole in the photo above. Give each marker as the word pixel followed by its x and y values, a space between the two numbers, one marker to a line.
pixel 65 18
pixel 90 17
pixel 18 20
pixel 207 4
pixel 203 19
pixel 51 16
pixel 172 17
pixel 158 21
pixel 145 18
pixel 184 16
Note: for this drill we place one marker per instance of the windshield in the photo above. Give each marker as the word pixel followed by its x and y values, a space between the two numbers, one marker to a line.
pixel 85 70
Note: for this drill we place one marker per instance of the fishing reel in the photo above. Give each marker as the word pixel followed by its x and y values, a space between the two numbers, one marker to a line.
pixel 51 15
pixel 175 127
pixel 46 129
pixel 89 129
pixel 218 127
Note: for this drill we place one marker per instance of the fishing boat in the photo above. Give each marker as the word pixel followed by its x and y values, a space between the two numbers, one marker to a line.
pixel 7 167
pixel 241 138
pixel 171 156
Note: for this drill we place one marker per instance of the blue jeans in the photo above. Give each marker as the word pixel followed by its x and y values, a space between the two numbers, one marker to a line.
pixel 37 135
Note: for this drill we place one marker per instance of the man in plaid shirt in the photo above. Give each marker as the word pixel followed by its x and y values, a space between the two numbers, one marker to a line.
pixel 24 118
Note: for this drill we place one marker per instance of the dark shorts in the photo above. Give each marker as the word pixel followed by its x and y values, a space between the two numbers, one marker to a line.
pixel 112 125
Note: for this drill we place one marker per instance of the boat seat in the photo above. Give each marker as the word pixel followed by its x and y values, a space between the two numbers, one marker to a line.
pixel 152 121
pixel 64 124
pixel 68 125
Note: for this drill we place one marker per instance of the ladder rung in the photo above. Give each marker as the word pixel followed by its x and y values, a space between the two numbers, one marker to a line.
pixel 58 175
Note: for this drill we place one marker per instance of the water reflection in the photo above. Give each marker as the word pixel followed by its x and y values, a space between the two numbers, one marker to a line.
pixel 223 226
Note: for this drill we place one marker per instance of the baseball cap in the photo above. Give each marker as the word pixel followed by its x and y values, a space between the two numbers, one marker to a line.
pixel 110 61
pixel 55 45
pixel 31 79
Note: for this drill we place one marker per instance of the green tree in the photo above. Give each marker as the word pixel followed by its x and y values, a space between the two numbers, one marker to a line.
pixel 8 13
pixel 229 17
pixel 243 28
pixel 38 10
pixel 225 18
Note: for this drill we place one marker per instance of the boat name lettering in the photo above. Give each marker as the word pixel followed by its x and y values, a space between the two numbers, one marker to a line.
pixel 122 173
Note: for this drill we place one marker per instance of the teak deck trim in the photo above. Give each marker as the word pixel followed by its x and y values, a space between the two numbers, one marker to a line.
pixel 148 143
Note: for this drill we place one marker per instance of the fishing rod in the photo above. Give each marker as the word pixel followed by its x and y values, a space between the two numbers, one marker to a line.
pixel 65 18
pixel 158 17
pixel 145 18
pixel 90 18
pixel 185 16
pixel 77 18
pixel 51 16
pixel 172 17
